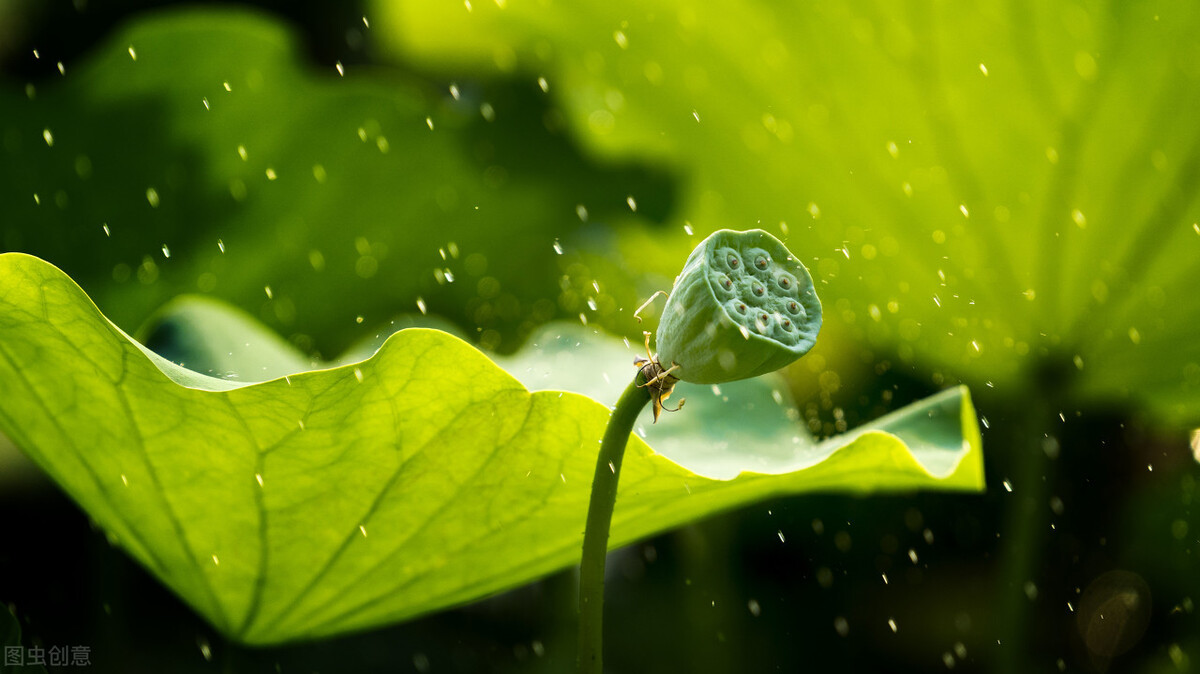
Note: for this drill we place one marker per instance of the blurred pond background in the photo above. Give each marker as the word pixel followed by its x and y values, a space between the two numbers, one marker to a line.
pixel 1002 195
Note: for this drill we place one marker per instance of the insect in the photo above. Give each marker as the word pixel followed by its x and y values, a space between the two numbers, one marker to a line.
pixel 659 380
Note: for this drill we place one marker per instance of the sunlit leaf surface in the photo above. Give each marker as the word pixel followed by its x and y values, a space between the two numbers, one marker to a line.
pixel 341 499
pixel 990 190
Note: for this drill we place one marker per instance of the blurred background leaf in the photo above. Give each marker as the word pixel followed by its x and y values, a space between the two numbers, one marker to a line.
pixel 986 190
pixel 210 160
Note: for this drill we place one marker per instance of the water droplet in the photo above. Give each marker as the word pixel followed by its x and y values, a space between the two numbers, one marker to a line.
pixel 362 528
pixel 271 173
pixel 48 137
pixel 205 102
pixel 754 607
pixel 62 70
pixel 124 480
pixel 632 204
pixel 814 210
pixel 358 374
pixel 841 626
pixel 558 246
pixel 912 555
pixel 152 197
pixel 782 539
pixel 429 123
pixel 205 649
pixel 358 319
pixel 1008 486
pixel 543 84
pixel 227 87
pixel 216 562
pixel 1079 218
pixel 366 24
pixel 132 53
pixel 687 228
pixel 582 318
pixel 241 150
pixel 421 305
pixel 341 70
pixel 591 303
pixel 696 114
pixel 488 112
pixel 885 580
pixel 105 228
pixel 983 69
pixel 893 149
pixel 258 477
pixel 267 290
pixel 221 246
pixel 1135 336
pixel 621 39
pixel 892 624
pixel 166 251
pixel 963 209
pixel 581 211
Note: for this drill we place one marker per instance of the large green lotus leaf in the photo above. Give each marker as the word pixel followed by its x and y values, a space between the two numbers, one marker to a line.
pixel 745 425
pixel 219 161
pixel 340 499
pixel 992 188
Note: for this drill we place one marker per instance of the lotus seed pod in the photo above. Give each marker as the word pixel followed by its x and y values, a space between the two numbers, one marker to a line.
pixel 742 306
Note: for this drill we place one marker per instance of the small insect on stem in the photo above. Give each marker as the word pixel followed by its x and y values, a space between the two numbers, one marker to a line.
pixel 659 379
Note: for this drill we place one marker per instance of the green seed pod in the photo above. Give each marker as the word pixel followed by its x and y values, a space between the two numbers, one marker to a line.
pixel 742 306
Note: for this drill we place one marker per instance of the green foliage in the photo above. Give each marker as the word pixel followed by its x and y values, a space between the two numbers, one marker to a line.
pixel 306 198
pixel 345 498
pixel 1002 192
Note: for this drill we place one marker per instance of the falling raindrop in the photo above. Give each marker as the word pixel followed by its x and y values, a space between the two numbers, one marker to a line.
pixel 632 204
pixel 166 251
pixel 558 247
pixel 106 232
pixel 341 70
pixel 267 290
pixel 221 246
pixel 358 374
pixel 429 123
pixel 983 69
pixel 421 305
pixel 258 477
pixel 1008 486
pixel 132 53
pixel 48 137
pixel 543 84
pixel 892 624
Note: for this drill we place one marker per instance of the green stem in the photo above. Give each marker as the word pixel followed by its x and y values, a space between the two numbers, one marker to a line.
pixel 595 536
